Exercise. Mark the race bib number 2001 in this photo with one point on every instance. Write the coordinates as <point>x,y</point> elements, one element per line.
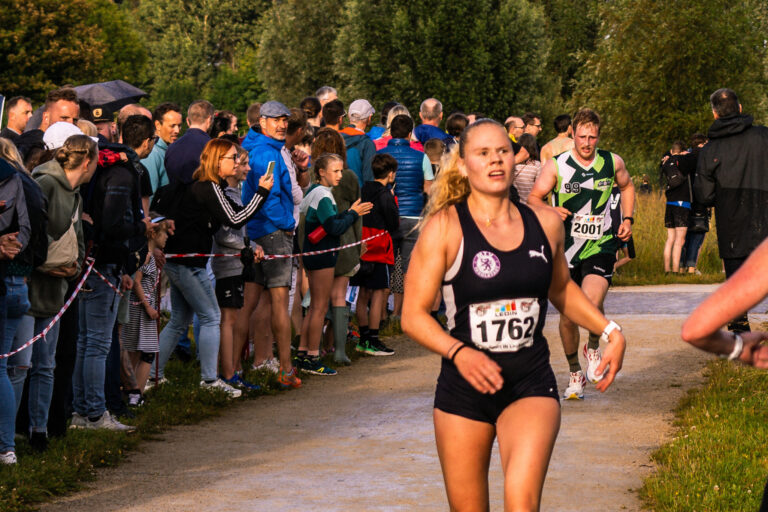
<point>587,226</point>
<point>505,325</point>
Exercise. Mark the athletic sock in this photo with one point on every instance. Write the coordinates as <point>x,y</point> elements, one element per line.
<point>594,341</point>
<point>573,362</point>
<point>373,336</point>
<point>363,333</point>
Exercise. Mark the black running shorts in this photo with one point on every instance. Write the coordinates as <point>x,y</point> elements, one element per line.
<point>676,216</point>
<point>599,265</point>
<point>229,292</point>
<point>526,373</point>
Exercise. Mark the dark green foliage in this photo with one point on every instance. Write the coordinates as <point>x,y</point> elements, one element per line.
<point>50,43</point>
<point>656,64</point>
<point>295,56</point>
<point>482,55</point>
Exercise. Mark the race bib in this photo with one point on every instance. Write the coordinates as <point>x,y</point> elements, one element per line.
<point>589,227</point>
<point>504,325</point>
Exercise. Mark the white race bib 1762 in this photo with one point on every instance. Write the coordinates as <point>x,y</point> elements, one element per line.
<point>587,226</point>
<point>504,325</point>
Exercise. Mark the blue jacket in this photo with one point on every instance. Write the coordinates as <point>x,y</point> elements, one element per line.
<point>409,178</point>
<point>360,153</point>
<point>249,141</point>
<point>277,212</point>
<point>424,132</point>
<point>182,158</point>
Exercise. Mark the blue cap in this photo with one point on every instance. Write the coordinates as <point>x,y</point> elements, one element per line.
<point>274,109</point>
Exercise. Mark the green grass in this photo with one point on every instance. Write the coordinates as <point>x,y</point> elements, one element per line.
<point>718,459</point>
<point>649,236</point>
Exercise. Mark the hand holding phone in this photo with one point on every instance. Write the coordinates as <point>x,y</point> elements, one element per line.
<point>270,169</point>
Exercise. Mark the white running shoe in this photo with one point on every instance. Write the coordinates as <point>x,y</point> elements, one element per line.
<point>575,389</point>
<point>223,386</point>
<point>77,421</point>
<point>107,422</point>
<point>270,365</point>
<point>151,383</point>
<point>593,358</point>
<point>8,458</point>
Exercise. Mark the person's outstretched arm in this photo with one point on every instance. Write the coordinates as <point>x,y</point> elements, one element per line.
<point>745,289</point>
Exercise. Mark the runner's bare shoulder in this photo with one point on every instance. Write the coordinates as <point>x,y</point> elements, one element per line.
<point>442,235</point>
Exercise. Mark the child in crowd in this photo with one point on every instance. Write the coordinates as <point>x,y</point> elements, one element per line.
<point>229,278</point>
<point>140,334</point>
<point>435,149</point>
<point>323,226</point>
<point>373,276</point>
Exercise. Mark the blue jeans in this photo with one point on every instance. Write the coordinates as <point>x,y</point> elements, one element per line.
<point>98,313</point>
<point>7,399</point>
<point>40,361</point>
<point>690,254</point>
<point>192,292</point>
<point>17,304</point>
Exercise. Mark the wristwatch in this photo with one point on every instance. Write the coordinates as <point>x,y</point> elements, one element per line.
<point>630,219</point>
<point>612,326</point>
<point>738,348</point>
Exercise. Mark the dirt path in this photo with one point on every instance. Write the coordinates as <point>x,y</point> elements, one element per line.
<point>364,440</point>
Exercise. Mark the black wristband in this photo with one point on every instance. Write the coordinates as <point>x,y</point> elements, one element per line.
<point>630,219</point>
<point>463,345</point>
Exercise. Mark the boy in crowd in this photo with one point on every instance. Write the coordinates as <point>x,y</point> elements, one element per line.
<point>373,276</point>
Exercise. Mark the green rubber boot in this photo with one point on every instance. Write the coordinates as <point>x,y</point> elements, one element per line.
<point>340,317</point>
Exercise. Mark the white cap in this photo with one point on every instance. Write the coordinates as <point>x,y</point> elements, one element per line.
<point>360,110</point>
<point>58,133</point>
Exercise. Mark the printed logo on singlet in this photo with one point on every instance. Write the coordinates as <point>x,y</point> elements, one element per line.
<point>538,254</point>
<point>486,264</point>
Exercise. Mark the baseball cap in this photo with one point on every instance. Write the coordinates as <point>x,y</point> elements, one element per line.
<point>361,109</point>
<point>274,109</point>
<point>58,133</point>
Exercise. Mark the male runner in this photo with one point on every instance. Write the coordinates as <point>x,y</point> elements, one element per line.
<point>580,181</point>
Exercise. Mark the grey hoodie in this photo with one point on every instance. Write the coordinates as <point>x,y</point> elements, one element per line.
<point>48,293</point>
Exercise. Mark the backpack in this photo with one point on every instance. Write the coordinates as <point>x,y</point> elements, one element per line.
<point>671,170</point>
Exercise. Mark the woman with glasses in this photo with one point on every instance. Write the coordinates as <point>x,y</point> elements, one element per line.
<point>204,209</point>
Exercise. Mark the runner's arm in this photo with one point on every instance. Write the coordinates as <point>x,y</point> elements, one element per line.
<point>571,302</point>
<point>544,185</point>
<point>627,191</point>
<point>745,289</point>
<point>430,257</point>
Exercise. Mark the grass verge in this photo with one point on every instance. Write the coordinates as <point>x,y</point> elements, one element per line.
<point>718,459</point>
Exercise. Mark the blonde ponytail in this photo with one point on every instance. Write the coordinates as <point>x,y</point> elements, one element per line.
<point>450,187</point>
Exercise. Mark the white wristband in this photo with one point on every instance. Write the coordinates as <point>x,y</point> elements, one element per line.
<point>738,347</point>
<point>612,326</point>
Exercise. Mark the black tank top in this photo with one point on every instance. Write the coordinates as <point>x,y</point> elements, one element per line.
<point>497,300</point>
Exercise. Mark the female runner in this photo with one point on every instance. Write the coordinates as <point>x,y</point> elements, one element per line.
<point>497,262</point>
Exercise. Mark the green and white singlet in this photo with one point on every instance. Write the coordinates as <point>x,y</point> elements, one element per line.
<point>586,192</point>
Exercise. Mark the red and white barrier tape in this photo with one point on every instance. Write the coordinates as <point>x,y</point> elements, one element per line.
<point>276,256</point>
<point>58,316</point>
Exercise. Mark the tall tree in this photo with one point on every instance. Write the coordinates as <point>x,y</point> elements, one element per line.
<point>296,52</point>
<point>49,43</point>
<point>656,64</point>
<point>485,55</point>
<point>190,43</point>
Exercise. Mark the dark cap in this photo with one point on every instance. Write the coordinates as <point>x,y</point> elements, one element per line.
<point>274,109</point>
<point>102,115</point>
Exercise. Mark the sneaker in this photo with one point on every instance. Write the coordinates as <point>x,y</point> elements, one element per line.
<point>223,386</point>
<point>289,379</point>
<point>593,358</point>
<point>77,421</point>
<point>374,348</point>
<point>238,381</point>
<point>382,349</point>
<point>8,458</point>
<point>315,366</point>
<point>575,389</point>
<point>135,400</point>
<point>269,365</point>
<point>151,383</point>
<point>107,422</point>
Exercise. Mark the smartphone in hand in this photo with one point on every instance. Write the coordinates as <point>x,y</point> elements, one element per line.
<point>270,169</point>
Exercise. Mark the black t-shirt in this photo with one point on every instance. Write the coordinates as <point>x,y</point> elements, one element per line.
<point>686,164</point>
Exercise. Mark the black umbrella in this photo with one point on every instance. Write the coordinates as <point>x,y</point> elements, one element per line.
<point>110,95</point>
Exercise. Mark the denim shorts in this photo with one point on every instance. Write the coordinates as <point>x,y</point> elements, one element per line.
<point>275,273</point>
